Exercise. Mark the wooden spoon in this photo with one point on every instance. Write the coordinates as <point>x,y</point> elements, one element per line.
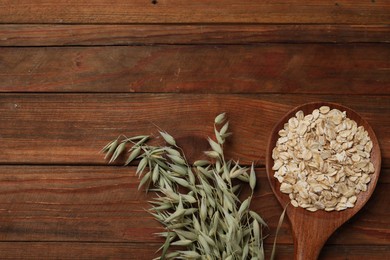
<point>312,229</point>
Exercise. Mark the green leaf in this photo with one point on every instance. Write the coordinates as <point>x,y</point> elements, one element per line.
<point>188,198</point>
<point>177,159</point>
<point>186,234</point>
<point>142,141</point>
<point>111,148</point>
<point>245,252</point>
<point>108,146</point>
<point>195,222</point>
<point>220,182</point>
<point>133,155</point>
<point>203,210</point>
<point>185,242</point>
<point>208,239</point>
<point>166,246</point>
<point>162,207</point>
<point>156,172</point>
<point>259,219</point>
<point>172,151</point>
<point>180,181</point>
<point>252,178</point>
<point>243,177</point>
<point>202,163</point>
<point>162,164</point>
<point>224,128</point>
<point>220,118</point>
<point>168,138</point>
<point>191,176</point>
<point>220,140</point>
<point>139,137</point>
<point>204,244</point>
<point>237,173</point>
<point>189,254</point>
<point>244,206</point>
<point>180,169</point>
<point>178,225</point>
<point>215,224</point>
<point>215,146</point>
<point>118,151</point>
<point>141,166</point>
<point>172,255</point>
<point>256,232</point>
<point>144,180</point>
<point>212,154</point>
<point>170,194</point>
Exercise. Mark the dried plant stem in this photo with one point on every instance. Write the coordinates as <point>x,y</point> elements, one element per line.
<point>197,204</point>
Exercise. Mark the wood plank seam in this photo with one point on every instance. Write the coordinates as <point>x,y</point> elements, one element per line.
<point>173,34</point>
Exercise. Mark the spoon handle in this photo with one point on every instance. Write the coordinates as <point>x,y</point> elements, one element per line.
<point>308,241</point>
<point>310,235</point>
<point>308,250</point>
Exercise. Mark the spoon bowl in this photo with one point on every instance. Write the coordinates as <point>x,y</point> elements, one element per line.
<point>312,229</point>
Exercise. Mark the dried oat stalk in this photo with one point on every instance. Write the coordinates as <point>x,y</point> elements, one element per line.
<point>197,204</point>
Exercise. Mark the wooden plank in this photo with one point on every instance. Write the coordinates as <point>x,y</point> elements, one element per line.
<point>176,11</point>
<point>74,204</point>
<point>350,252</point>
<point>267,68</point>
<point>136,251</point>
<point>103,204</point>
<point>119,34</point>
<point>72,128</point>
<point>77,250</point>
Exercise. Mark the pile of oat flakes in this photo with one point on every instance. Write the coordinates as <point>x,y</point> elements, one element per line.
<point>322,160</point>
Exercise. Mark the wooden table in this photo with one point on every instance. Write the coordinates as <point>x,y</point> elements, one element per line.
<point>76,74</point>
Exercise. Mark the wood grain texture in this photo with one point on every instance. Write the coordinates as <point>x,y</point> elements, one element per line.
<point>76,74</point>
<point>72,128</point>
<point>267,68</point>
<point>163,11</point>
<point>79,250</point>
<point>137,251</point>
<point>74,204</point>
<point>103,204</point>
<point>119,34</point>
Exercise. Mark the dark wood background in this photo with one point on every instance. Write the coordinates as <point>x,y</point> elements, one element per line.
<point>76,74</point>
